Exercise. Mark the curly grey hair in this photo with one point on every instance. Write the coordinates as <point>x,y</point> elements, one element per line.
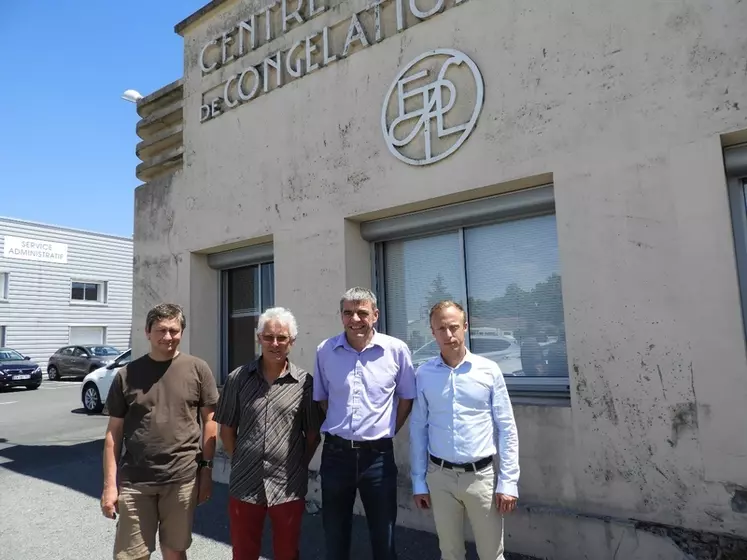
<point>283,316</point>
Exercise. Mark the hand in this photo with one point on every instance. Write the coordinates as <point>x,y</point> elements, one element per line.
<point>204,485</point>
<point>422,501</point>
<point>109,502</point>
<point>505,503</point>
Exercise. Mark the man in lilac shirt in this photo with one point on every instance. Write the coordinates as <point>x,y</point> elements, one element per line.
<point>365,382</point>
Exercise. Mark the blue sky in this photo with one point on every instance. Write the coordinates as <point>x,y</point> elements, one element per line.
<point>67,141</point>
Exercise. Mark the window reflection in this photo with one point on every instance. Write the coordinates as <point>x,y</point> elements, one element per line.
<point>419,273</point>
<point>250,291</point>
<point>513,280</point>
<point>507,273</point>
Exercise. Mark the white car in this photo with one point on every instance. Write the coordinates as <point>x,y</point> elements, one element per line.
<point>96,384</point>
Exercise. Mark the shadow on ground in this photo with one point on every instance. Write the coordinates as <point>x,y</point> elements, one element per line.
<point>78,467</point>
<point>81,411</point>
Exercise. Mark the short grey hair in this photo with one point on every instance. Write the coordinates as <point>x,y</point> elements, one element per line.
<point>358,294</point>
<point>283,316</point>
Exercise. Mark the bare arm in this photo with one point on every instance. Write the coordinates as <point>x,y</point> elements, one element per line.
<point>209,432</point>
<point>209,440</point>
<point>112,450</point>
<point>404,406</point>
<point>228,437</point>
<point>312,442</point>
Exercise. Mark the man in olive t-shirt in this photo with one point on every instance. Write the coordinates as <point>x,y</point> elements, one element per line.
<point>165,472</point>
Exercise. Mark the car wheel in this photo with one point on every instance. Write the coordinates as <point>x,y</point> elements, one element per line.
<point>91,399</point>
<point>32,387</point>
<point>52,373</point>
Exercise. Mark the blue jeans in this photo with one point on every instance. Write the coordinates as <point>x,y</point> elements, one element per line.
<point>373,473</point>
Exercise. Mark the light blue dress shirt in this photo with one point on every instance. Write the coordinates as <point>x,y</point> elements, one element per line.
<point>461,415</point>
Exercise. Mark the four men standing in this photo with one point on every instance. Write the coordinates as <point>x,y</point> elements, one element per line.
<point>271,413</point>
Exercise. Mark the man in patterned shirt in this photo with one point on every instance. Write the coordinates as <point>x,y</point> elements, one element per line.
<point>270,427</point>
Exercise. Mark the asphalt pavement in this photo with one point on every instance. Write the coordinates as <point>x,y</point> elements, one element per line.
<point>51,478</point>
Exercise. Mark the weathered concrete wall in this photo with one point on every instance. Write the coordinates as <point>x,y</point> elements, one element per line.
<point>624,104</point>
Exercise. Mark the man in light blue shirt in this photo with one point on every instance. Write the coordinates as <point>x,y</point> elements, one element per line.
<point>461,416</point>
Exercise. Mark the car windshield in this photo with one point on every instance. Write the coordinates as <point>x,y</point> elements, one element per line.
<point>124,358</point>
<point>8,355</point>
<point>103,350</point>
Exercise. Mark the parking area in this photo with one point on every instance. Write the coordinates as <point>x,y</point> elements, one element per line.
<point>50,475</point>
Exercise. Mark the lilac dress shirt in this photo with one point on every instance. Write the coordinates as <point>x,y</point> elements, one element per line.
<point>362,388</point>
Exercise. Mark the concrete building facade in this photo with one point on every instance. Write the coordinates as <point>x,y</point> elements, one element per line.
<point>61,286</point>
<point>572,172</point>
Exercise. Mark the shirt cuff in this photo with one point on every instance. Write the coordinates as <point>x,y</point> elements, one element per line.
<point>508,488</point>
<point>419,486</point>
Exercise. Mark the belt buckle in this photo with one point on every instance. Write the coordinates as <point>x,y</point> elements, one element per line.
<point>354,444</point>
<point>458,469</point>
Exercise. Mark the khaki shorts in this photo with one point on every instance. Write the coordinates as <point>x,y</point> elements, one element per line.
<point>144,510</point>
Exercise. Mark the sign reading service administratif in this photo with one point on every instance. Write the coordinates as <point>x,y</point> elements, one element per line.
<point>34,250</point>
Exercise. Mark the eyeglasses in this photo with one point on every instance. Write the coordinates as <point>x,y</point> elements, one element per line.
<point>269,338</point>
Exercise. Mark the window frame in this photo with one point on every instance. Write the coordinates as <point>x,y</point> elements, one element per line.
<point>528,203</point>
<point>258,254</point>
<point>4,286</point>
<point>735,167</point>
<point>226,312</point>
<point>102,294</point>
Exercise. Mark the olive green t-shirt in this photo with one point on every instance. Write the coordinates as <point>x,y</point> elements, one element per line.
<point>159,402</point>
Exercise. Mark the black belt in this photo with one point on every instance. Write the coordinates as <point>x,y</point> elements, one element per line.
<point>468,467</point>
<point>378,444</point>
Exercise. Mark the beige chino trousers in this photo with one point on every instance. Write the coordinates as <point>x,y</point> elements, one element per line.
<point>452,494</point>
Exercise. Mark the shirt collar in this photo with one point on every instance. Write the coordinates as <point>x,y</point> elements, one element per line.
<point>342,340</point>
<point>290,369</point>
<point>469,358</point>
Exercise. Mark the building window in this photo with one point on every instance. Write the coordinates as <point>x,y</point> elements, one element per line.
<point>2,336</point>
<point>735,162</point>
<point>90,292</point>
<point>502,265</point>
<point>247,292</point>
<point>4,277</point>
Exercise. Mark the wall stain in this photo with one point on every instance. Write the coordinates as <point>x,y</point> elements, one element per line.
<point>699,545</point>
<point>601,401</point>
<point>739,500</point>
<point>357,179</point>
<point>661,379</point>
<point>684,417</point>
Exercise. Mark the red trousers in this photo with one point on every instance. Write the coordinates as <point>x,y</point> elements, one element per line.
<point>248,520</point>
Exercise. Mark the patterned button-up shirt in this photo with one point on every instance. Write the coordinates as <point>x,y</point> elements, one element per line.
<point>268,464</point>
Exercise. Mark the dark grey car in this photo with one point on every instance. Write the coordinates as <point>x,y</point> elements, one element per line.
<point>80,360</point>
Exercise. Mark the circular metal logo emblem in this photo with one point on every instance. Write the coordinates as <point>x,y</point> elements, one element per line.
<point>423,119</point>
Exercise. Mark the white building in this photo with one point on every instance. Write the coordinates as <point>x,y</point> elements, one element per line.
<point>61,286</point>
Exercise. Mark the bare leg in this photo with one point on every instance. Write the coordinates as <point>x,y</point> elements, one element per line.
<point>169,554</point>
